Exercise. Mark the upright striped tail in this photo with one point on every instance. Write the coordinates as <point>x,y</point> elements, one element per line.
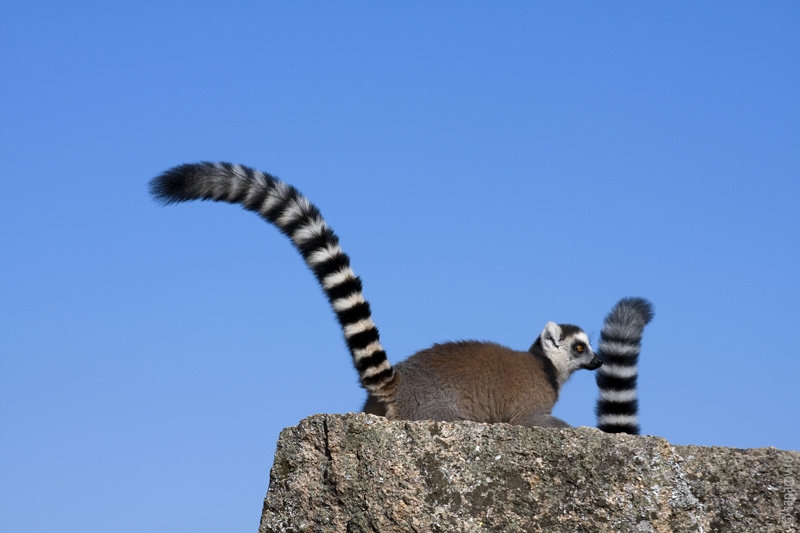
<point>300,220</point>
<point>620,343</point>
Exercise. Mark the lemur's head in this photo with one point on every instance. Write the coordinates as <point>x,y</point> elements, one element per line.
<point>568,348</point>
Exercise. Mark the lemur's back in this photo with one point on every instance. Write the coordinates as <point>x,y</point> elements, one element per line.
<point>479,381</point>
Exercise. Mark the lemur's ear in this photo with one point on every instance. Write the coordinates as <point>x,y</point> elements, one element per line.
<point>551,336</point>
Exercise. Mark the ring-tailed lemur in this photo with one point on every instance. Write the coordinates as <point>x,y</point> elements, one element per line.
<point>477,381</point>
<point>620,343</point>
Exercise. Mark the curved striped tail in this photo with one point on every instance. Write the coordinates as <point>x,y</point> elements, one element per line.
<point>620,343</point>
<point>300,220</point>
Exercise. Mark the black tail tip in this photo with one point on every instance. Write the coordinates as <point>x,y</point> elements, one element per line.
<point>172,186</point>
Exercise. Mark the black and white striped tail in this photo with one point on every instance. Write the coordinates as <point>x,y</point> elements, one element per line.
<point>297,218</point>
<point>620,343</point>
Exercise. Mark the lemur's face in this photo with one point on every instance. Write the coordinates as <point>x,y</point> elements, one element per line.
<point>582,354</point>
<point>568,348</point>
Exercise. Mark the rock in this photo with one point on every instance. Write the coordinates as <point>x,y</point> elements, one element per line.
<point>359,472</point>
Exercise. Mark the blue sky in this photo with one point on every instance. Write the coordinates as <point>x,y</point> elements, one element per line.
<point>488,166</point>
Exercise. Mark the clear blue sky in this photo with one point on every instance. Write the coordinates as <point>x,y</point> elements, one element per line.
<point>488,166</point>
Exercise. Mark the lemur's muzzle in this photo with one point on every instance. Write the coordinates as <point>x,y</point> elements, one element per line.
<point>593,364</point>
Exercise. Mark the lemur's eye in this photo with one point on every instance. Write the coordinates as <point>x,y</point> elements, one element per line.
<point>580,348</point>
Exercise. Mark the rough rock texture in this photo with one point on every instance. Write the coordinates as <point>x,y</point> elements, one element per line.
<point>355,473</point>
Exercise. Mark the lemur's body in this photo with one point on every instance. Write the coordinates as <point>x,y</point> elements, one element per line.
<point>478,381</point>
<point>487,382</point>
